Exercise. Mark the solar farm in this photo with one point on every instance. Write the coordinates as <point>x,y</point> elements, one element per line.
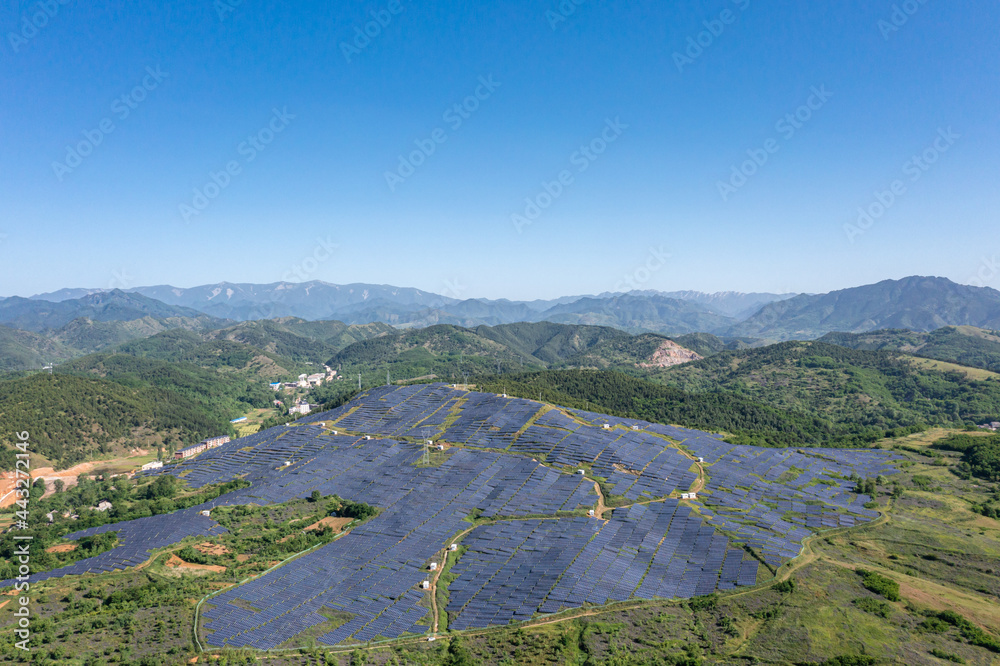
<point>505,507</point>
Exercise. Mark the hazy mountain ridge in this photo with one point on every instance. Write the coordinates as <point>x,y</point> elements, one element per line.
<point>914,303</point>
<point>116,305</point>
<point>675,312</point>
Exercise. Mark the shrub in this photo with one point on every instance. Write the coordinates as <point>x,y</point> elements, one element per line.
<point>874,606</point>
<point>879,584</point>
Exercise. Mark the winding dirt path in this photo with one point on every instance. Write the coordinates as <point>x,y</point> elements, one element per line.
<point>442,556</point>
<point>601,508</point>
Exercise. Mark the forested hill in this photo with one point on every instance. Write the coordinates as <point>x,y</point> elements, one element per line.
<point>746,421</point>
<point>72,419</point>
<point>965,345</point>
<point>878,389</point>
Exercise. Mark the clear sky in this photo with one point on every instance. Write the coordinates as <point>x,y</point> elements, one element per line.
<point>591,140</point>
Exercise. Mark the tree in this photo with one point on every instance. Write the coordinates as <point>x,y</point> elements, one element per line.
<point>316,496</point>
<point>59,485</point>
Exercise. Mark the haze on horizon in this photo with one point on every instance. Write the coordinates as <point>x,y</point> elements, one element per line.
<point>531,150</point>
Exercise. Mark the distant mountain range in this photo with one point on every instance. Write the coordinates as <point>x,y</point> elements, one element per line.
<point>914,303</point>
<point>71,322</point>
<point>674,313</point>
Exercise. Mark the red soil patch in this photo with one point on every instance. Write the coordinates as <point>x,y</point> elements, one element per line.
<point>208,548</point>
<point>62,548</point>
<point>336,524</point>
<point>177,563</point>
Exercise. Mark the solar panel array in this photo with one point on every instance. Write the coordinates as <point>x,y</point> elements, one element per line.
<point>137,538</point>
<point>518,565</point>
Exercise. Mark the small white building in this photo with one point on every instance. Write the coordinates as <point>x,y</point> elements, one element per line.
<point>434,566</point>
<point>206,513</point>
<point>426,585</point>
<point>701,460</point>
<point>103,505</point>
<point>607,426</point>
<point>635,427</point>
<point>440,447</point>
<point>156,464</point>
<point>581,472</point>
<point>453,547</point>
<point>591,513</point>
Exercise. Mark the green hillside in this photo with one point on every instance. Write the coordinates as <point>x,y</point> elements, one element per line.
<point>226,393</point>
<point>452,353</point>
<point>965,345</point>
<point>747,421</point>
<point>24,350</point>
<point>548,342</point>
<point>624,351</point>
<point>876,389</point>
<point>707,344</point>
<point>300,340</point>
<point>444,351</point>
<point>73,418</point>
<point>86,335</point>
<point>180,346</point>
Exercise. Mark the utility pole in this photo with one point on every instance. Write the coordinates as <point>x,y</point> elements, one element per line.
<point>386,377</point>
<point>359,381</point>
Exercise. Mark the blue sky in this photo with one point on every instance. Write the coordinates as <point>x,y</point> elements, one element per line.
<point>643,125</point>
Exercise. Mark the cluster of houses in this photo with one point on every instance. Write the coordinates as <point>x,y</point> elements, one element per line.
<point>203,445</point>
<point>306,381</point>
<point>994,426</point>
